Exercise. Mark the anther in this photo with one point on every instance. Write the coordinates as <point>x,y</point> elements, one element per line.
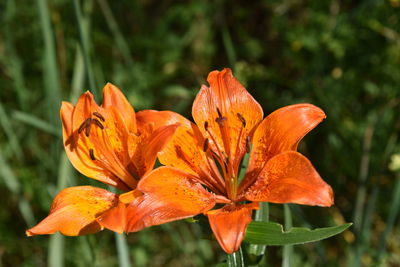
<point>91,154</point>
<point>98,123</point>
<point>242,119</point>
<point>87,129</point>
<point>205,145</point>
<point>206,126</point>
<point>221,121</point>
<point>84,125</point>
<point>219,113</point>
<point>248,143</point>
<point>98,115</point>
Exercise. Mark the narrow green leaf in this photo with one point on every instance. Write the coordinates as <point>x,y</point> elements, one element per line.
<point>83,37</point>
<point>393,214</point>
<point>50,68</point>
<point>8,176</point>
<point>9,130</point>
<point>272,234</point>
<point>120,40</point>
<point>36,122</point>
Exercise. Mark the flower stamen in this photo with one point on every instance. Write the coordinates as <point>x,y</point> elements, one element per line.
<point>248,143</point>
<point>85,124</point>
<point>242,119</point>
<point>91,154</point>
<point>98,115</point>
<point>205,145</point>
<point>98,123</point>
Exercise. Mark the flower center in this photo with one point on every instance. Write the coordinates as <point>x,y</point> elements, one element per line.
<point>101,149</point>
<point>227,159</point>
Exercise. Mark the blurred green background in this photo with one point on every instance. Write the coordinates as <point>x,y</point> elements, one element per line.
<point>343,56</point>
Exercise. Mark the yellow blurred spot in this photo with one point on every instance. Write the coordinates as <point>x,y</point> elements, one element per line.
<point>395,3</point>
<point>296,45</point>
<point>366,260</point>
<point>348,236</point>
<point>337,73</point>
<point>169,68</point>
<point>394,164</point>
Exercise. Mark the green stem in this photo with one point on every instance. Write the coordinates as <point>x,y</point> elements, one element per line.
<point>123,251</point>
<point>288,249</point>
<point>236,259</point>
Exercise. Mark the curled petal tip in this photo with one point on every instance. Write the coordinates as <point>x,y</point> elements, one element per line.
<point>29,233</point>
<point>329,199</point>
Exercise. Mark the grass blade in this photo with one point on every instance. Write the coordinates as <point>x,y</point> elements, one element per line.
<point>36,122</point>
<point>10,133</point>
<point>8,176</point>
<point>119,38</point>
<point>50,68</point>
<point>85,48</point>
<point>393,213</point>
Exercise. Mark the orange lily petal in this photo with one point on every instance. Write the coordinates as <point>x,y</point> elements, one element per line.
<point>229,224</point>
<point>185,149</point>
<point>156,143</point>
<point>130,196</point>
<point>113,97</point>
<point>280,131</point>
<point>289,177</point>
<point>104,155</point>
<point>155,128</point>
<point>169,195</point>
<point>79,159</point>
<point>146,152</point>
<point>156,119</point>
<point>74,211</point>
<point>66,118</point>
<point>114,219</point>
<point>226,98</point>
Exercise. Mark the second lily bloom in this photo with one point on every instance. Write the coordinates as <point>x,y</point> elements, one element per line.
<point>107,143</point>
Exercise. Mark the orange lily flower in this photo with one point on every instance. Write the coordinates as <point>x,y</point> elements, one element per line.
<point>107,144</point>
<point>203,162</point>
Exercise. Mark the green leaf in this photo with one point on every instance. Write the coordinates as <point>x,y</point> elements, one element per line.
<point>272,234</point>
